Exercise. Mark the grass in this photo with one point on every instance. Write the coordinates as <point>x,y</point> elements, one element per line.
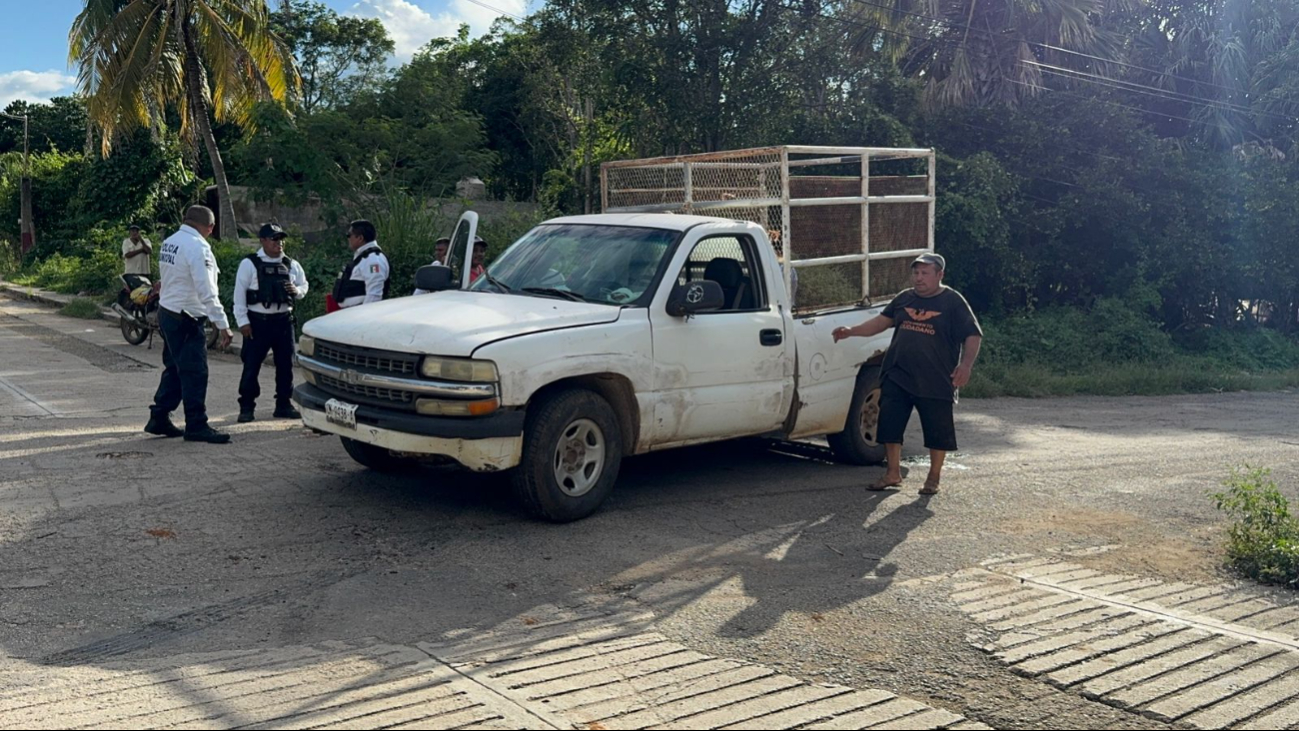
<point>1114,350</point>
<point>86,309</point>
<point>1030,380</point>
<point>1263,541</point>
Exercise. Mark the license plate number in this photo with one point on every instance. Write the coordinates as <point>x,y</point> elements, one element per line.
<point>337,412</point>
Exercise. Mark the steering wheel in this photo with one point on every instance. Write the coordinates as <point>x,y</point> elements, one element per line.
<point>621,295</point>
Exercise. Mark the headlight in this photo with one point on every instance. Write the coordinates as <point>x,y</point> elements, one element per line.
<point>306,346</point>
<point>458,369</point>
<point>440,407</point>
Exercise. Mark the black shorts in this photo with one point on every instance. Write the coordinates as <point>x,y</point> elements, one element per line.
<point>935,417</point>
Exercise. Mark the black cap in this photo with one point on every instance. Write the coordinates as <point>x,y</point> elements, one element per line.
<point>271,231</point>
<point>931,258</point>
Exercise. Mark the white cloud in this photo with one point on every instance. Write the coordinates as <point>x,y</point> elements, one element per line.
<point>411,26</point>
<point>34,86</point>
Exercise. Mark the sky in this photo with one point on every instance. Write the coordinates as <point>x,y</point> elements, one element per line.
<point>34,55</point>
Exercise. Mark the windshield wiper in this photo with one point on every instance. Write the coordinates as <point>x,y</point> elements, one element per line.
<point>505,288</point>
<point>574,296</point>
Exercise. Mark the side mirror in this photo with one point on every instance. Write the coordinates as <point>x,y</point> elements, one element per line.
<point>434,278</point>
<point>696,297</point>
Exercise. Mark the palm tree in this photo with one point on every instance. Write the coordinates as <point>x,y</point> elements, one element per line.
<point>202,59</point>
<point>978,52</point>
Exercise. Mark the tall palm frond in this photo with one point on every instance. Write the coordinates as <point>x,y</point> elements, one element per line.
<point>139,59</point>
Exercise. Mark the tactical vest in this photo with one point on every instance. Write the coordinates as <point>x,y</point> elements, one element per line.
<point>345,286</point>
<point>271,278</point>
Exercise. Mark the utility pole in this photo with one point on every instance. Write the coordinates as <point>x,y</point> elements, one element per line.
<point>28,225</point>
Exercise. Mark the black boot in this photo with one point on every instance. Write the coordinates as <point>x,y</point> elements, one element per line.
<point>162,426</point>
<point>286,411</point>
<point>246,416</point>
<point>209,435</point>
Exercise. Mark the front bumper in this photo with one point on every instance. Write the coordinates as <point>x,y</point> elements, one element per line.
<point>483,444</point>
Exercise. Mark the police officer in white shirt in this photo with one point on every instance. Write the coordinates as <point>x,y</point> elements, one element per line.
<point>365,278</point>
<point>189,299</point>
<point>266,286</point>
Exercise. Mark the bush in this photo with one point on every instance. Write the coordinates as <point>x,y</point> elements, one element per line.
<point>1263,541</point>
<point>86,309</point>
<point>96,273</point>
<point>1073,340</point>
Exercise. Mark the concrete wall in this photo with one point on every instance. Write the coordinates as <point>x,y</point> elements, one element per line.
<point>312,223</point>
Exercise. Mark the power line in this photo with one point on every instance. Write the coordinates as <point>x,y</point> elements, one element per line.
<point>1105,101</point>
<point>493,7</point>
<point>1046,46</point>
<point>1210,103</point>
<point>1165,93</point>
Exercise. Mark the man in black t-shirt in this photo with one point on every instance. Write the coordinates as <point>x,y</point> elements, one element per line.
<point>936,338</point>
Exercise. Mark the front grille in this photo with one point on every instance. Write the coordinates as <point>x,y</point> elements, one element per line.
<point>387,397</point>
<point>399,364</point>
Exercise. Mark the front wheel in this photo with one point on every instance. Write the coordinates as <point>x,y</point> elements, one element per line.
<point>571,455</point>
<point>857,443</point>
<point>376,458</point>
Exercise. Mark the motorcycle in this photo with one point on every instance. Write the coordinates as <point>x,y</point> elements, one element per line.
<point>137,304</point>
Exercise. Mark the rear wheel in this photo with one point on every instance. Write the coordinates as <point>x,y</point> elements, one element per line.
<point>376,458</point>
<point>858,442</point>
<point>571,455</point>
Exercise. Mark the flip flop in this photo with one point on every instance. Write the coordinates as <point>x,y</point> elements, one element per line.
<point>930,488</point>
<point>882,484</point>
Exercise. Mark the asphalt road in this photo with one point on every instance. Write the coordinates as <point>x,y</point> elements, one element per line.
<point>115,545</point>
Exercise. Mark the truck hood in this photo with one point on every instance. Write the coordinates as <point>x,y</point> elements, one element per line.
<point>453,323</point>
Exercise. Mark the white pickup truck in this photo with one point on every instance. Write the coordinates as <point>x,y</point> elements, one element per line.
<point>589,339</point>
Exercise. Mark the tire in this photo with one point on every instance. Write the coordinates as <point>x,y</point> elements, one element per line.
<point>856,443</point>
<point>572,451</point>
<point>133,333</point>
<point>212,335</point>
<point>376,458</point>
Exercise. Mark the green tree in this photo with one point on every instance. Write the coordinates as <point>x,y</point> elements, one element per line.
<point>979,52</point>
<point>1230,69</point>
<point>57,125</point>
<point>205,59</point>
<point>336,55</point>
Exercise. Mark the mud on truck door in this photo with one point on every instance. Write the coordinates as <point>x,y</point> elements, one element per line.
<point>723,373</point>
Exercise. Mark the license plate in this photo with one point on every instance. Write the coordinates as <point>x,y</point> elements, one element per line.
<point>337,412</point>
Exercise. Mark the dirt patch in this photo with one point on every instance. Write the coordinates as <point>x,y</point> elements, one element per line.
<point>1194,558</point>
<point>1080,522</point>
<point>1134,544</point>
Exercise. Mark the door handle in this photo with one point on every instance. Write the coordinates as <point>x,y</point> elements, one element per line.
<point>771,337</point>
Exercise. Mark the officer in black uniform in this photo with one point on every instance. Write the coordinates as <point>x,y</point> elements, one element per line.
<point>266,286</point>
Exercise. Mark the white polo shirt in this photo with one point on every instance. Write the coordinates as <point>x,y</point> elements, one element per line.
<point>246,279</point>
<point>189,277</point>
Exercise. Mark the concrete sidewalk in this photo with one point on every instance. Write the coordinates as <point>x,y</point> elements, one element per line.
<point>560,671</point>
<point>36,294</point>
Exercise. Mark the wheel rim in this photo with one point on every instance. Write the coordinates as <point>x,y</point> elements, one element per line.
<point>870,417</point>
<point>579,458</point>
<point>131,331</point>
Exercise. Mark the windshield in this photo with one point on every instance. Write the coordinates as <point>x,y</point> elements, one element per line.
<point>613,265</point>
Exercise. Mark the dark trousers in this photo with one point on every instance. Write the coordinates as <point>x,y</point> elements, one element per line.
<point>184,375</point>
<point>936,418</point>
<point>270,333</point>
